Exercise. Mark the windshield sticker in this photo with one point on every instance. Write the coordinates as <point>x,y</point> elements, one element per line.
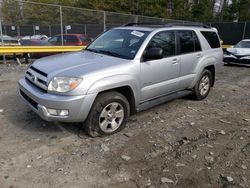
<point>137,33</point>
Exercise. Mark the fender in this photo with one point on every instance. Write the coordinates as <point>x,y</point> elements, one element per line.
<point>116,81</point>
<point>201,66</point>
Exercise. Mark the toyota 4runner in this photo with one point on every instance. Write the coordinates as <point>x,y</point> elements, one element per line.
<point>125,70</point>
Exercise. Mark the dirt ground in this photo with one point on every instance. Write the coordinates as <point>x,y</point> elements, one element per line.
<point>183,143</point>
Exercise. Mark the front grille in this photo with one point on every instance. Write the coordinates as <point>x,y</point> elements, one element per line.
<point>40,72</point>
<point>28,99</point>
<point>41,89</point>
<point>37,78</point>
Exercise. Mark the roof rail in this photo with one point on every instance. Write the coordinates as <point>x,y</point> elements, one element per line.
<point>170,24</point>
<point>192,24</point>
<point>143,23</point>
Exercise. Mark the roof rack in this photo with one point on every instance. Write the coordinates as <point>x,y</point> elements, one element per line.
<point>170,24</point>
<point>144,24</point>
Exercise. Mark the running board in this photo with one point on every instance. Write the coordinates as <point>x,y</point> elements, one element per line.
<point>154,102</point>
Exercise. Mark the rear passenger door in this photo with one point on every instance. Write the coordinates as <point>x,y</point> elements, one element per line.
<point>189,49</point>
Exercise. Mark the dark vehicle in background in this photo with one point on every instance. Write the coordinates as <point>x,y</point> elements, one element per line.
<point>34,42</point>
<point>238,54</point>
<point>68,40</point>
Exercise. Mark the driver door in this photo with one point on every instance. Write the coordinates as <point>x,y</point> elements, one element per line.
<point>160,76</point>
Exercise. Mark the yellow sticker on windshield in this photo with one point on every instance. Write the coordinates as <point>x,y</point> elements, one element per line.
<point>137,33</point>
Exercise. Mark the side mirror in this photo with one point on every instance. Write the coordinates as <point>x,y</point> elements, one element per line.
<point>153,53</point>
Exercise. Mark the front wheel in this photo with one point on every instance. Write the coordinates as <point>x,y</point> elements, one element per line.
<point>108,114</point>
<point>203,85</point>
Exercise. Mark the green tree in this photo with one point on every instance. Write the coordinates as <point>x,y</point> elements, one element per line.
<point>202,11</point>
<point>181,10</point>
<point>244,10</point>
<point>11,12</point>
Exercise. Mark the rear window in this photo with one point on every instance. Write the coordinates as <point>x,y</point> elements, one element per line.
<point>212,38</point>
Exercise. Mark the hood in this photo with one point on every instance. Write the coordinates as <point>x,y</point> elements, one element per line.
<point>76,63</point>
<point>239,51</point>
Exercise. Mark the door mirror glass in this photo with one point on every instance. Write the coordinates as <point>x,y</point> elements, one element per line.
<point>153,53</point>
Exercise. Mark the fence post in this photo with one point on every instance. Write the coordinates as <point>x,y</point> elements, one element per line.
<point>85,29</point>
<point>1,34</point>
<point>4,28</point>
<point>244,30</point>
<point>136,19</point>
<point>104,21</point>
<point>18,30</point>
<point>61,22</point>
<point>34,31</point>
<point>66,31</point>
<point>49,31</point>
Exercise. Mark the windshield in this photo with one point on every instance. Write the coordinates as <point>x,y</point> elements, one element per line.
<point>243,44</point>
<point>119,43</point>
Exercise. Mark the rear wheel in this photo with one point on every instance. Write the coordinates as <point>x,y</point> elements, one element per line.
<point>108,114</point>
<point>203,85</point>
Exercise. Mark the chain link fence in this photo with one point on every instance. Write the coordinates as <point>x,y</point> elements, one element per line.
<point>31,18</point>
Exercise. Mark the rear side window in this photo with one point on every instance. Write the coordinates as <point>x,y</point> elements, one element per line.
<point>212,38</point>
<point>189,42</point>
<point>71,39</point>
<point>85,39</point>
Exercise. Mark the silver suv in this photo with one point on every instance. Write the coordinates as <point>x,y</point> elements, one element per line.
<point>125,70</point>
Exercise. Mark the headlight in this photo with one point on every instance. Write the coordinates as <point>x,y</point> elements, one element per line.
<point>63,84</point>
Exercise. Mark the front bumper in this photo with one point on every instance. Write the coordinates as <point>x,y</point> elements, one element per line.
<point>40,101</point>
<point>236,60</point>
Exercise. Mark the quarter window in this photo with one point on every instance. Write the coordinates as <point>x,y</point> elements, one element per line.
<point>212,38</point>
<point>164,40</point>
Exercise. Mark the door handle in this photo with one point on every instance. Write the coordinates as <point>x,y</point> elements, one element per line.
<point>199,56</point>
<point>175,61</point>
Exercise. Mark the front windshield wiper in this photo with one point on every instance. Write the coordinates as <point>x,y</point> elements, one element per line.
<point>107,52</point>
<point>91,50</point>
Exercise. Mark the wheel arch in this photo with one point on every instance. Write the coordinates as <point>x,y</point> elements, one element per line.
<point>127,92</point>
<point>124,84</point>
<point>211,68</point>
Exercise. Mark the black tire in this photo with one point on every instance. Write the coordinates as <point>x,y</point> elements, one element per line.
<point>102,103</point>
<point>197,93</point>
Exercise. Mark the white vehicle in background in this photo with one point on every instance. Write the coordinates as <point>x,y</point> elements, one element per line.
<point>7,40</point>
<point>35,37</point>
<point>238,54</point>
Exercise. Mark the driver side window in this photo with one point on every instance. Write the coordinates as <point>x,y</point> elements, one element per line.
<point>164,40</point>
